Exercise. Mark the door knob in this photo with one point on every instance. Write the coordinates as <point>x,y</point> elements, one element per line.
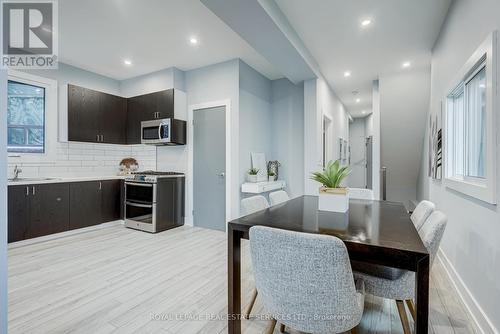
<point>222,175</point>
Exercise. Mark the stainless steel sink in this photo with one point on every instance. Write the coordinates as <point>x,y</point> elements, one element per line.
<point>32,179</point>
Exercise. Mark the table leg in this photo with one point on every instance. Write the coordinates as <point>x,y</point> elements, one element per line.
<point>422,296</point>
<point>234,281</point>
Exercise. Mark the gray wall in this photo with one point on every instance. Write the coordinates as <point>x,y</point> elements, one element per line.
<point>357,135</point>
<point>404,101</point>
<point>3,202</point>
<point>471,244</point>
<point>288,133</point>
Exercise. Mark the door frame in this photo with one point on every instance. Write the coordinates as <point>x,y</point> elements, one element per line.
<point>190,170</point>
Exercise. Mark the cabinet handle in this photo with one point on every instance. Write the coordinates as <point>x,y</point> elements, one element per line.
<point>27,191</point>
<point>34,191</point>
<point>100,185</point>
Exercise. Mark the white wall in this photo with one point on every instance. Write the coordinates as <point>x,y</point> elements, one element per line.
<point>319,99</point>
<point>288,133</point>
<point>357,141</point>
<point>148,83</point>
<point>404,101</point>
<point>3,202</point>
<point>471,243</point>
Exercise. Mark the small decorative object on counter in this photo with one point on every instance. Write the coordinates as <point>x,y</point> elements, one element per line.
<point>332,197</point>
<point>271,176</point>
<point>273,166</point>
<point>252,174</point>
<point>128,165</point>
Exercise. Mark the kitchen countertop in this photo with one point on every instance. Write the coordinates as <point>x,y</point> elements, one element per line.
<point>41,180</point>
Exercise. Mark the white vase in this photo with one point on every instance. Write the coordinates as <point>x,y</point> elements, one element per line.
<point>333,199</point>
<point>271,178</point>
<point>251,178</point>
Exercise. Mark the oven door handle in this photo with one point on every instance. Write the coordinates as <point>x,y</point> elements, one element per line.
<point>148,185</point>
<point>149,206</point>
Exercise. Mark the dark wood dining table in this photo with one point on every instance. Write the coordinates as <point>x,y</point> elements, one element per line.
<point>378,232</point>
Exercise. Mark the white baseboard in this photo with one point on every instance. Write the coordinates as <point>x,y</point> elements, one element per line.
<point>22,243</point>
<point>480,318</point>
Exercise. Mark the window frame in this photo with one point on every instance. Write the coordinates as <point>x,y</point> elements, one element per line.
<point>50,118</point>
<point>483,189</point>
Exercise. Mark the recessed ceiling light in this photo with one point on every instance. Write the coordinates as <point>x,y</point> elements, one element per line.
<point>358,100</point>
<point>406,64</point>
<point>127,62</point>
<point>193,40</point>
<point>347,74</point>
<point>366,22</point>
<point>363,112</point>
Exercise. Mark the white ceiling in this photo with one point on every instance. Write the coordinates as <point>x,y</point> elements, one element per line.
<point>401,30</point>
<point>98,35</point>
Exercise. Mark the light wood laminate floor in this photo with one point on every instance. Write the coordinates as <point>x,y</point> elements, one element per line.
<point>117,280</point>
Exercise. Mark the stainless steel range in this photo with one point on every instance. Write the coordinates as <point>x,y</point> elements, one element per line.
<point>154,201</point>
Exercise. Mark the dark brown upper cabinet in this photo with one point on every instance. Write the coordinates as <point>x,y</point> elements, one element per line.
<point>147,107</point>
<point>96,117</point>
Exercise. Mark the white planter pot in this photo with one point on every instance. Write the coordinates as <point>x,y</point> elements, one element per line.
<point>333,199</point>
<point>271,178</point>
<point>251,178</point>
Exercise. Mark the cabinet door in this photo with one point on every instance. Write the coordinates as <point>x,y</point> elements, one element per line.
<point>111,204</point>
<point>164,103</point>
<point>113,123</point>
<point>85,204</point>
<point>49,209</point>
<point>137,111</point>
<point>83,114</point>
<point>18,211</point>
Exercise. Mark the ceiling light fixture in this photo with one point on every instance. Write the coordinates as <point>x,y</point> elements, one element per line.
<point>366,23</point>
<point>127,62</point>
<point>193,40</point>
<point>406,64</point>
<point>363,112</point>
<point>358,100</point>
<point>347,74</point>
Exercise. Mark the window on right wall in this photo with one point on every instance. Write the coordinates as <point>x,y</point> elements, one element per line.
<point>470,130</point>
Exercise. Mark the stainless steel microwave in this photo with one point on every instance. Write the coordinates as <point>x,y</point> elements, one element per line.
<point>167,131</point>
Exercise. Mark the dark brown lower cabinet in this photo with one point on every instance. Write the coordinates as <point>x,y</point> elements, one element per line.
<point>111,200</point>
<point>85,204</point>
<point>43,209</point>
<point>37,210</point>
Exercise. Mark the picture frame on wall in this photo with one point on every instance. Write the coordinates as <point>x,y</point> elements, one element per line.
<point>435,144</point>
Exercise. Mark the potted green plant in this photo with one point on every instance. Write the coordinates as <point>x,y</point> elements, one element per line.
<point>271,176</point>
<point>332,196</point>
<point>252,174</point>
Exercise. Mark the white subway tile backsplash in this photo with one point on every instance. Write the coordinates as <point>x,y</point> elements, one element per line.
<point>85,159</point>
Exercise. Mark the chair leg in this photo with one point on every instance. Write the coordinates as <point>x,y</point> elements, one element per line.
<point>354,330</point>
<point>270,329</point>
<point>411,307</point>
<point>402,314</point>
<point>246,314</point>
<point>282,328</point>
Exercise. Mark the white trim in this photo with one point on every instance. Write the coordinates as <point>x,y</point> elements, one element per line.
<point>485,191</point>
<point>51,118</point>
<point>64,234</point>
<point>476,312</point>
<point>189,176</point>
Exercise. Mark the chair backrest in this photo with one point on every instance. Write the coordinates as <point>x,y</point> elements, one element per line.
<point>421,213</point>
<point>253,204</point>
<point>278,197</point>
<point>305,280</point>
<point>360,193</point>
<point>432,232</point>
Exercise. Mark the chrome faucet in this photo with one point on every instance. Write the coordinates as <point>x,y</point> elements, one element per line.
<point>17,171</point>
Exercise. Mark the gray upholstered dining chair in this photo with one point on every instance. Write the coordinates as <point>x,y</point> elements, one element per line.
<point>421,213</point>
<point>248,206</point>
<point>401,286</point>
<point>278,197</point>
<point>305,280</point>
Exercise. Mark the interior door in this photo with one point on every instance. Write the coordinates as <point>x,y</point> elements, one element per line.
<point>209,168</point>
<point>369,162</point>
